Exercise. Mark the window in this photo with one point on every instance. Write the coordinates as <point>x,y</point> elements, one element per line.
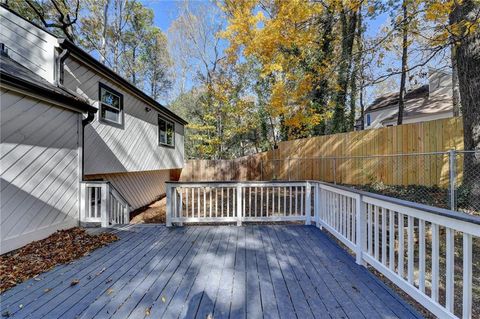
<point>111,105</point>
<point>368,120</point>
<point>166,132</point>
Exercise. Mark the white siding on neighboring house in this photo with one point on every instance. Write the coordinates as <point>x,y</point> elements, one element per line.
<point>39,164</point>
<point>133,148</point>
<point>28,45</point>
<point>138,188</point>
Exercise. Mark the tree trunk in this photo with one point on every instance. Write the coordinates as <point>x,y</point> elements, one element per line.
<point>349,23</point>
<point>455,91</point>
<point>321,91</point>
<point>354,77</point>
<point>103,40</point>
<point>401,95</point>
<point>468,65</point>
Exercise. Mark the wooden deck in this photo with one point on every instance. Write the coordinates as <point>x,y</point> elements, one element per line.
<point>195,271</point>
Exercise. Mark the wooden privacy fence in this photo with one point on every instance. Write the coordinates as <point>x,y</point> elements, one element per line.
<point>410,154</point>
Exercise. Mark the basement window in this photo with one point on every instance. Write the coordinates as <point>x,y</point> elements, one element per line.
<point>166,132</point>
<point>111,106</point>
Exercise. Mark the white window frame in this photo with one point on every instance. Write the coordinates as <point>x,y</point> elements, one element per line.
<point>102,105</point>
<point>167,123</point>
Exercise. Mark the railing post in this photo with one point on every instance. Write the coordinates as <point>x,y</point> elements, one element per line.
<point>169,205</point>
<point>452,177</point>
<point>360,231</point>
<point>83,201</point>
<point>104,207</point>
<point>308,204</point>
<point>323,206</point>
<point>239,204</point>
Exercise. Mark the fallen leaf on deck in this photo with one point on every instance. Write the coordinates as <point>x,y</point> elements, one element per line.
<point>147,311</point>
<point>101,271</point>
<point>62,247</point>
<point>6,314</point>
<point>163,299</point>
<point>109,291</point>
<point>74,282</point>
<point>47,289</point>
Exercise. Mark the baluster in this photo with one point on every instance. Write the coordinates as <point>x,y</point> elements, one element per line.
<point>391,242</point>
<point>204,201</point>
<point>410,251</point>
<point>467,276</point>
<point>266,208</point>
<point>186,203</point>
<point>284,201</point>
<point>421,256</point>
<point>384,236</point>
<point>353,220</point>
<point>249,202</point>
<point>210,204</point>
<point>376,227</point>
<point>290,204</point>
<point>450,257</point>
<point>401,242</point>
<point>261,201</point>
<point>193,202</point>
<point>199,202</point>
<point>369,229</point>
<point>279,193</point>
<point>435,258</point>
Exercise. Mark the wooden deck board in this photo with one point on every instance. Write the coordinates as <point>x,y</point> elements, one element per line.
<point>223,271</point>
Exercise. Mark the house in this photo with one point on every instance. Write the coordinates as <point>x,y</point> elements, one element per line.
<point>68,120</point>
<point>431,101</point>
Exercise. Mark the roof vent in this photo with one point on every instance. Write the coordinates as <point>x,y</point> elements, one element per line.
<point>3,49</point>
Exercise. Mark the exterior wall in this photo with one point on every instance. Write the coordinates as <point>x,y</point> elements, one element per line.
<point>423,118</point>
<point>138,188</point>
<point>28,45</point>
<point>131,148</point>
<point>39,169</point>
<point>376,117</point>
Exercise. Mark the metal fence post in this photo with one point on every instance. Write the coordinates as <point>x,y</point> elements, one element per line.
<point>452,176</point>
<point>360,231</point>
<point>239,205</point>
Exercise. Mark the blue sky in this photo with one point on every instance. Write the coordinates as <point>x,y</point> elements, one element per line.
<point>166,11</point>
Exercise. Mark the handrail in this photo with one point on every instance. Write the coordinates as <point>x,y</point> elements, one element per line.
<point>386,233</point>
<point>101,202</point>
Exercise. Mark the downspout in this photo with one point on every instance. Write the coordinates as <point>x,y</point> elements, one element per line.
<point>59,81</point>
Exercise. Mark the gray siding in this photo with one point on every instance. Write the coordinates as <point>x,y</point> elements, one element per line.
<point>133,148</point>
<point>39,169</point>
<point>28,45</point>
<point>138,188</point>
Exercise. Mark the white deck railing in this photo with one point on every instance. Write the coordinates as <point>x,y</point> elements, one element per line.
<point>102,203</point>
<point>400,239</point>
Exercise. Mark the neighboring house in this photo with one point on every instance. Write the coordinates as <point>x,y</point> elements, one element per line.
<point>432,101</point>
<point>66,118</point>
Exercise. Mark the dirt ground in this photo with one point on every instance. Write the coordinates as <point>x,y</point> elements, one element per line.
<point>152,214</point>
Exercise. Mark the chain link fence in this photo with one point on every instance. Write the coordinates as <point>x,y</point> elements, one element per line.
<point>442,179</point>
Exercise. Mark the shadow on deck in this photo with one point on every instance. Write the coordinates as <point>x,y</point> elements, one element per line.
<point>210,272</point>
